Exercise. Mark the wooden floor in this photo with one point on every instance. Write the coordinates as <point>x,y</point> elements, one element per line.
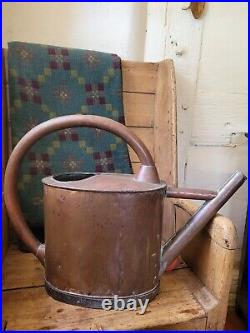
<point>26,306</point>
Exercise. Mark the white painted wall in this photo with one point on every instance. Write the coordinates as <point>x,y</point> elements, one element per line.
<point>210,56</point>
<point>108,27</point>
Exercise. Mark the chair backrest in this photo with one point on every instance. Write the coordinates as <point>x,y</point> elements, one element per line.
<point>149,98</point>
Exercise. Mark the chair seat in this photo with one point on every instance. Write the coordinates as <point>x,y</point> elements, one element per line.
<point>26,305</point>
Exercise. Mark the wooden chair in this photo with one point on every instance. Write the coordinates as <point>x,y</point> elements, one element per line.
<point>194,296</point>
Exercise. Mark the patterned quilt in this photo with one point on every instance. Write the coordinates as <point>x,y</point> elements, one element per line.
<point>46,82</point>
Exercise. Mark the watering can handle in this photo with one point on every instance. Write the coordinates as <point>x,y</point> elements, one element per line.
<point>146,173</point>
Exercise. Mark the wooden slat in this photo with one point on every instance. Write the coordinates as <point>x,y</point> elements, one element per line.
<point>136,166</point>
<point>32,308</point>
<point>27,307</point>
<point>192,325</point>
<point>139,109</point>
<point>21,270</point>
<point>139,77</point>
<point>165,151</point>
<point>147,136</point>
<point>165,123</point>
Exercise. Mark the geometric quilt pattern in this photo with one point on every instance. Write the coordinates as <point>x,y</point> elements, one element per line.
<point>49,81</point>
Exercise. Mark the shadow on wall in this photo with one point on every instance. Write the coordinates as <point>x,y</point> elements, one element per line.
<point>109,27</point>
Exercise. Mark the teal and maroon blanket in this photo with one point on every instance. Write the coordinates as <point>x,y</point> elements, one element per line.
<point>46,82</point>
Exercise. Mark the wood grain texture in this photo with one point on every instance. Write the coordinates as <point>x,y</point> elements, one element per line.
<point>165,145</point>
<point>235,280</point>
<point>136,166</point>
<point>192,325</point>
<point>139,77</point>
<point>147,136</point>
<point>21,270</point>
<point>35,310</point>
<point>139,109</point>
<point>212,260</point>
<point>221,229</point>
<point>165,123</point>
<point>27,306</point>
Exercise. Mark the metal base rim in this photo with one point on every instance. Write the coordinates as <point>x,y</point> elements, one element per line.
<point>94,302</point>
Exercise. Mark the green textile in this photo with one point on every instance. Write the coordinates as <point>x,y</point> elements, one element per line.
<point>46,82</point>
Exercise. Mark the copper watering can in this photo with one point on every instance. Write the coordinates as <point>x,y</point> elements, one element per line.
<point>103,230</point>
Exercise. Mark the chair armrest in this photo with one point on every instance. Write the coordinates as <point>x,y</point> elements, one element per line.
<point>211,257</point>
<point>221,229</point>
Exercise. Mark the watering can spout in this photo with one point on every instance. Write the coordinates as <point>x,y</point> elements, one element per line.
<point>197,222</point>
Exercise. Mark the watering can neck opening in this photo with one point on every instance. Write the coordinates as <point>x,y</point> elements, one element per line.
<point>101,182</point>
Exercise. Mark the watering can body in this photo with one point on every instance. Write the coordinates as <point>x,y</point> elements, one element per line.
<point>103,231</point>
<point>102,240</point>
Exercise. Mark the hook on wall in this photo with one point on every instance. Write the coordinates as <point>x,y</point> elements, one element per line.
<point>197,9</point>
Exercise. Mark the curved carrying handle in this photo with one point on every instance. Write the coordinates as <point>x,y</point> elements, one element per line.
<point>146,173</point>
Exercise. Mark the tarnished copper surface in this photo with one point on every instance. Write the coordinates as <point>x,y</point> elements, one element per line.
<point>45,128</point>
<point>102,245</point>
<point>103,231</point>
<point>190,193</point>
<point>102,182</point>
<point>199,220</point>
